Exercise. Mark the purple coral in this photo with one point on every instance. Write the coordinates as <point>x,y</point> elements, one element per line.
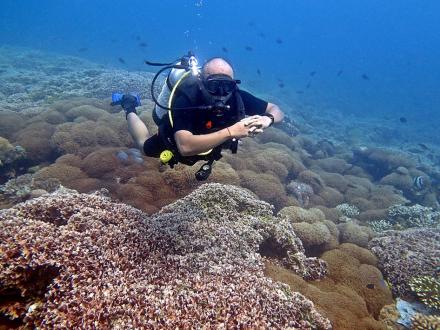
<point>81,261</point>
<point>301,191</point>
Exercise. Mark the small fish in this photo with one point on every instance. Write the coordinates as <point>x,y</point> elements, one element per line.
<point>83,49</point>
<point>224,49</point>
<point>423,146</point>
<point>311,74</point>
<point>403,120</point>
<point>121,60</point>
<point>281,84</point>
<point>262,35</point>
<point>279,41</point>
<point>299,92</point>
<point>339,73</point>
<point>370,286</point>
<point>419,182</point>
<point>308,85</point>
<point>138,38</point>
<point>143,44</point>
<point>249,48</point>
<point>251,23</point>
<point>365,77</point>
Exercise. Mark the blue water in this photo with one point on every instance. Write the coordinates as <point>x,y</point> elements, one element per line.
<point>395,44</point>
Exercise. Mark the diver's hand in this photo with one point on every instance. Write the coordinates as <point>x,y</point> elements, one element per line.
<point>243,129</point>
<point>262,122</point>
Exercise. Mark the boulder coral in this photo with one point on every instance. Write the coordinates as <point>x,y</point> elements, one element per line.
<point>351,295</point>
<point>81,261</point>
<point>316,233</point>
<point>266,186</point>
<point>365,279</point>
<point>353,233</point>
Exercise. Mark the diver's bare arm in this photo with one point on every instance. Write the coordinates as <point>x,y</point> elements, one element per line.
<point>137,130</point>
<point>275,111</point>
<point>190,144</point>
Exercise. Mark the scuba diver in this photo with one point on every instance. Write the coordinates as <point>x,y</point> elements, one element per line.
<point>198,113</point>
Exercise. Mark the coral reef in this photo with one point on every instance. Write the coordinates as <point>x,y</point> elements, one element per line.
<point>75,260</point>
<point>351,295</point>
<point>413,216</point>
<point>405,254</point>
<point>301,192</point>
<point>353,233</point>
<point>381,225</point>
<point>425,322</point>
<point>348,210</point>
<point>427,289</point>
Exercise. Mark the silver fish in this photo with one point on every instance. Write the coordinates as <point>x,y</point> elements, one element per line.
<point>419,182</point>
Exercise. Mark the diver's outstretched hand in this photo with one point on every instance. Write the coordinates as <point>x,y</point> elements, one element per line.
<point>245,127</point>
<point>258,121</point>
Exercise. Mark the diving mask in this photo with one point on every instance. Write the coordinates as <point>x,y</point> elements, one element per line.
<point>220,84</point>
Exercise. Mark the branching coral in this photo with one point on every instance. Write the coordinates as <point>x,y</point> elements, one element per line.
<point>97,264</point>
<point>380,225</point>
<point>348,210</point>
<point>425,322</point>
<point>405,254</point>
<point>427,289</point>
<point>413,216</point>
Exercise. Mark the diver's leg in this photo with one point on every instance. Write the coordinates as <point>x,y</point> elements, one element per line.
<point>137,130</point>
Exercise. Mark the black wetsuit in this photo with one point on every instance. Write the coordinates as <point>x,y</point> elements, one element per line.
<point>201,121</point>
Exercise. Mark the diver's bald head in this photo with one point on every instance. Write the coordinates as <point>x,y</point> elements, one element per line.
<point>217,65</point>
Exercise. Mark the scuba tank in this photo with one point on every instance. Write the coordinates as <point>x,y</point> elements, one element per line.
<point>173,77</point>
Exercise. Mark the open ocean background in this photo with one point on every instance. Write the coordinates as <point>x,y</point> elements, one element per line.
<point>365,58</point>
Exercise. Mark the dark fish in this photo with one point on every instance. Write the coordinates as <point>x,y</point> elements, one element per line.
<point>370,286</point>
<point>311,74</point>
<point>403,120</point>
<point>114,40</point>
<point>281,84</point>
<point>279,41</point>
<point>138,38</point>
<point>300,92</point>
<point>262,35</point>
<point>143,44</point>
<point>259,72</point>
<point>249,48</point>
<point>83,49</point>
<point>121,60</point>
<point>423,146</point>
<point>308,85</point>
<point>339,73</point>
<point>224,49</point>
<point>251,23</point>
<point>365,77</point>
